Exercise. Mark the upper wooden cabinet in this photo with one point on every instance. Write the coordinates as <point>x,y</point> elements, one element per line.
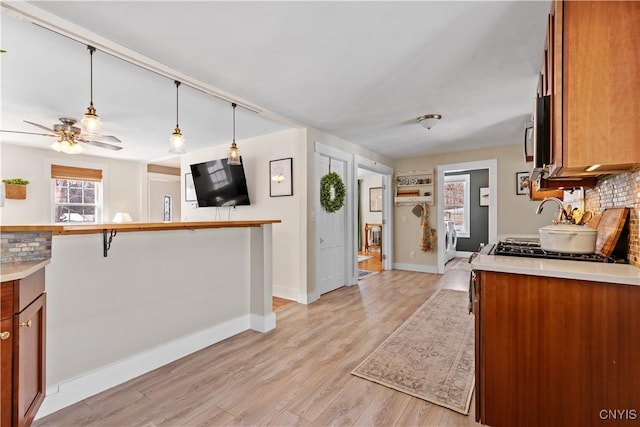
<point>592,65</point>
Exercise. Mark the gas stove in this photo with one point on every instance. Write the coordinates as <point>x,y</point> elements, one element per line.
<point>532,249</point>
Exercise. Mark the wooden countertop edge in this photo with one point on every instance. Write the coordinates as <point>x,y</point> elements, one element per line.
<point>135,226</point>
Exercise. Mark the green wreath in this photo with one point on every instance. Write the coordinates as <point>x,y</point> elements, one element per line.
<point>331,192</point>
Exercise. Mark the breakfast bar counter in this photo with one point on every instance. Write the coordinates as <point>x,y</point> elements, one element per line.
<point>164,291</point>
<point>65,229</point>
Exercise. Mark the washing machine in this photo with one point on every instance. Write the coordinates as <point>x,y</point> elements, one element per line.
<point>450,240</point>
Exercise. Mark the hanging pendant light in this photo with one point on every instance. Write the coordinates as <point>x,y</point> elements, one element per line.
<point>91,126</point>
<point>177,140</point>
<point>234,153</point>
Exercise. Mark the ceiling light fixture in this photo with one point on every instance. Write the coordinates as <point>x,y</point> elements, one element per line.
<point>177,140</point>
<point>429,120</point>
<point>67,145</point>
<point>91,126</point>
<point>234,153</point>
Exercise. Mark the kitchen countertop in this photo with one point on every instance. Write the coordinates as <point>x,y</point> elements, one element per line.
<point>19,270</point>
<point>61,229</point>
<point>624,274</point>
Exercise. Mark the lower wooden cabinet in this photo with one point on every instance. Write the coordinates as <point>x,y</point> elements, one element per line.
<point>22,349</point>
<point>556,352</point>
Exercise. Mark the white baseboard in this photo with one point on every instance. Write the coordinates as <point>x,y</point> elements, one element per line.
<point>262,323</point>
<point>286,293</point>
<point>79,388</point>
<point>416,267</point>
<point>309,298</point>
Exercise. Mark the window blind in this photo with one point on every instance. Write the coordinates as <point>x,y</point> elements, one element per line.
<point>70,172</point>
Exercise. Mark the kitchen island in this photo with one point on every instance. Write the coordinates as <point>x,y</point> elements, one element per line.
<point>556,342</point>
<point>163,291</point>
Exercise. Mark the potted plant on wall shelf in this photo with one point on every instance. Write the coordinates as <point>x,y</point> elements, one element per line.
<point>15,188</point>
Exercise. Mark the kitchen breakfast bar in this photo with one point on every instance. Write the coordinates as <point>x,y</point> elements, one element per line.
<point>124,299</point>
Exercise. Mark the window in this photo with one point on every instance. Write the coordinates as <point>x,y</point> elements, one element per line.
<point>76,194</point>
<point>456,202</point>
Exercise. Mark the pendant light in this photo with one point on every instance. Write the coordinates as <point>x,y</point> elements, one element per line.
<point>177,140</point>
<point>91,126</point>
<point>234,153</point>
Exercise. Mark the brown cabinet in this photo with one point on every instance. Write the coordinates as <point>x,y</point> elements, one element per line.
<point>556,352</point>
<point>22,351</point>
<point>593,76</point>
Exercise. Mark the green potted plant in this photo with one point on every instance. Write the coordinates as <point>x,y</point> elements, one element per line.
<point>15,188</point>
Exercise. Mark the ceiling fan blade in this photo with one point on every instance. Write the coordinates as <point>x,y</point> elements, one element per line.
<point>40,126</point>
<point>103,145</point>
<point>109,138</point>
<point>29,133</point>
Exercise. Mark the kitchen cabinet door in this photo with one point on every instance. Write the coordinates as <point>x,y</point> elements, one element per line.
<point>596,82</point>
<point>29,363</point>
<point>6,357</point>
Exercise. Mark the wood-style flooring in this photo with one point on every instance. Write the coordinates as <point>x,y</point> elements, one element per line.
<point>371,264</point>
<point>296,375</point>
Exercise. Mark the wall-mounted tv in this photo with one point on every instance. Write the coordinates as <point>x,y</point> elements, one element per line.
<point>219,184</point>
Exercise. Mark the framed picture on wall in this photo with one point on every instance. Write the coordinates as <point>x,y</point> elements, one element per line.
<point>375,199</point>
<point>522,183</point>
<point>189,188</point>
<point>280,177</point>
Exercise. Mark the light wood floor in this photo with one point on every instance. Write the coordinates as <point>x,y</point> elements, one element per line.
<point>371,264</point>
<point>297,374</point>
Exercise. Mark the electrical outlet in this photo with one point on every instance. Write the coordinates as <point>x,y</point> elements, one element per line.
<point>404,218</point>
<point>412,254</point>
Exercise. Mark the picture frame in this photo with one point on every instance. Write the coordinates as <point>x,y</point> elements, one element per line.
<point>189,188</point>
<point>522,183</point>
<point>375,199</point>
<point>484,196</point>
<point>281,177</point>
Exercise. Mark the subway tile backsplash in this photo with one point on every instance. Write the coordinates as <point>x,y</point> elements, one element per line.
<point>25,246</point>
<point>619,191</point>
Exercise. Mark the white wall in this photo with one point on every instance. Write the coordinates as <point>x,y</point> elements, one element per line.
<point>124,184</point>
<point>288,242</point>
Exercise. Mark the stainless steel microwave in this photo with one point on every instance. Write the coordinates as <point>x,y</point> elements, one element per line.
<point>541,136</point>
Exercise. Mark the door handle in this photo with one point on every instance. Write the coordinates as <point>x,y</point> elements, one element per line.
<point>5,335</point>
<point>27,323</point>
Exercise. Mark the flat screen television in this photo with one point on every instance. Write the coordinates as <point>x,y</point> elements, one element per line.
<point>219,184</point>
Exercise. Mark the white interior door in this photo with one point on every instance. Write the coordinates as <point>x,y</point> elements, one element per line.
<point>331,233</point>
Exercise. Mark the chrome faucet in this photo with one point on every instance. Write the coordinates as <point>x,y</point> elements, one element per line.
<point>559,214</point>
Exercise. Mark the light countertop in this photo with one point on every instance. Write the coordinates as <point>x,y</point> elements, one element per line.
<point>20,270</point>
<point>581,270</point>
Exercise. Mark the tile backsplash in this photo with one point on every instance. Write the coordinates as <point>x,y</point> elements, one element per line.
<point>25,246</point>
<point>619,191</point>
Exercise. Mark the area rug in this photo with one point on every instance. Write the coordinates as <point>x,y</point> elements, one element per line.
<point>431,355</point>
<point>364,273</point>
<point>363,258</point>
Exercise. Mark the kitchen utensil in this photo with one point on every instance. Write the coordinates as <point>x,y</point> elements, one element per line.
<point>609,229</point>
<point>568,238</point>
<point>576,217</point>
<point>586,217</point>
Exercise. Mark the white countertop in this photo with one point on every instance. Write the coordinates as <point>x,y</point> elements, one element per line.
<point>624,274</point>
<point>20,270</point>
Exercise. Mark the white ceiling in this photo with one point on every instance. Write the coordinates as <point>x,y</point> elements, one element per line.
<point>362,71</point>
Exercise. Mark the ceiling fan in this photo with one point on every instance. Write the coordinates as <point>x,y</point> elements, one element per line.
<point>69,137</point>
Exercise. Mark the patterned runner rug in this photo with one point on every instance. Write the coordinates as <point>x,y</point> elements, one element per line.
<point>431,355</point>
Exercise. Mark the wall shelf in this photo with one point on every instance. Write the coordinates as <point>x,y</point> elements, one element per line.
<point>414,187</point>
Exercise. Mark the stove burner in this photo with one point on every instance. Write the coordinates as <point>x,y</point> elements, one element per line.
<point>512,247</point>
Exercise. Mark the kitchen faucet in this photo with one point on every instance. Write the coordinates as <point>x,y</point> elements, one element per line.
<point>559,214</point>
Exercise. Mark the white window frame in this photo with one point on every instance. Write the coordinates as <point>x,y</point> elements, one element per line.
<point>98,203</point>
<point>466,179</point>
